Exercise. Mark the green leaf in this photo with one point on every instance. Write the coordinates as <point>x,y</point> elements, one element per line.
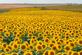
<point>11,37</point>
<point>77,48</point>
<point>25,38</point>
<point>20,52</point>
<point>3,34</point>
<point>1,50</point>
<point>34,53</point>
<point>39,53</point>
<point>62,50</point>
<point>8,39</point>
<point>35,34</point>
<point>62,35</point>
<point>40,38</point>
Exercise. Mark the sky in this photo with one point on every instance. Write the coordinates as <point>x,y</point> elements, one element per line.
<point>41,1</point>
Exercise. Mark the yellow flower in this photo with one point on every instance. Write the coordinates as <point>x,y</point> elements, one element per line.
<point>1,30</point>
<point>54,47</point>
<point>1,38</point>
<point>14,53</point>
<point>40,42</point>
<point>17,33</point>
<point>7,33</point>
<point>16,39</point>
<point>26,44</point>
<point>72,44</point>
<point>33,41</point>
<point>69,52</point>
<point>15,46</point>
<point>75,53</point>
<point>51,44</point>
<point>44,46</point>
<point>80,53</point>
<point>46,40</point>
<point>59,53</point>
<point>67,48</point>
<point>2,53</point>
<point>80,42</point>
<point>7,49</point>
<point>38,47</point>
<point>4,45</point>
<point>23,47</point>
<point>28,53</point>
<point>51,52</point>
<point>46,52</point>
<point>31,48</point>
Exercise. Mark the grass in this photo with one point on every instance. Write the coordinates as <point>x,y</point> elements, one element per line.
<point>4,10</point>
<point>66,7</point>
<point>69,7</point>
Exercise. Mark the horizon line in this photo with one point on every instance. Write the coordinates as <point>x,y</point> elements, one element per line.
<point>40,3</point>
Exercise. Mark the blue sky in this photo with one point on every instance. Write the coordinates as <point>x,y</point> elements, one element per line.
<point>41,1</point>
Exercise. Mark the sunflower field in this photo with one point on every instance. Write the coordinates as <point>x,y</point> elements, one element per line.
<point>40,32</point>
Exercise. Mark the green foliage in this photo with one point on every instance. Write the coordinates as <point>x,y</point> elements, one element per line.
<point>4,10</point>
<point>8,39</point>
<point>62,35</point>
<point>77,48</point>
<point>34,52</point>
<point>25,38</point>
<point>20,52</point>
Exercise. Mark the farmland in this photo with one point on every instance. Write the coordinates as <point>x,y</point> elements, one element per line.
<point>38,31</point>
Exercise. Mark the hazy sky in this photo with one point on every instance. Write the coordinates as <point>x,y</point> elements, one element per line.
<point>40,1</point>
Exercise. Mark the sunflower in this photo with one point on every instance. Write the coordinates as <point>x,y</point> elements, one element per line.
<point>17,33</point>
<point>16,39</point>
<point>51,52</point>
<point>31,47</point>
<point>67,48</point>
<point>4,45</point>
<point>0,45</point>
<point>44,46</point>
<point>33,41</point>
<point>72,44</point>
<point>46,40</point>
<point>1,29</point>
<point>7,50</point>
<point>51,44</point>
<point>7,33</point>
<point>14,53</point>
<point>67,33</point>
<point>70,52</point>
<point>59,53</point>
<point>75,53</point>
<point>2,53</point>
<point>40,42</point>
<point>26,44</point>
<point>54,47</point>
<point>23,47</point>
<point>15,45</point>
<point>46,52</point>
<point>66,42</point>
<point>9,47</point>
<point>59,47</point>
<point>18,42</point>
<point>80,42</point>
<point>1,38</point>
<point>28,53</point>
<point>38,47</point>
<point>59,43</point>
<point>80,53</point>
